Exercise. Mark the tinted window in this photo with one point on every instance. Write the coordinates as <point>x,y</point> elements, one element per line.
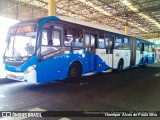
<point>126,43</point>
<point>141,46</point>
<point>107,41</point>
<point>101,41</point>
<point>153,48</point>
<point>146,47</point>
<point>138,45</point>
<point>118,43</point>
<point>87,37</point>
<point>150,47</point>
<point>50,41</point>
<point>73,37</point>
<point>92,41</point>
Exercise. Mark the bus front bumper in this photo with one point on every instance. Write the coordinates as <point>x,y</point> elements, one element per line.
<point>21,76</point>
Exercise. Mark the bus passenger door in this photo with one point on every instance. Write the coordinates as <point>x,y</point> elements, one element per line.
<point>90,50</point>
<point>48,55</point>
<point>109,51</point>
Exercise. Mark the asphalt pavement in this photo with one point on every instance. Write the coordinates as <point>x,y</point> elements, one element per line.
<point>135,89</point>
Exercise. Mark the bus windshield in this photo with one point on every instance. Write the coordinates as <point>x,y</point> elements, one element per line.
<point>21,41</point>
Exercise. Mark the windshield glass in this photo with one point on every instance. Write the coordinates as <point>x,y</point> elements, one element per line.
<point>21,41</point>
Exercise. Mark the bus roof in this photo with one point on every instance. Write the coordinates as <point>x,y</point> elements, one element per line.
<point>79,22</point>
<point>90,24</point>
<point>76,21</point>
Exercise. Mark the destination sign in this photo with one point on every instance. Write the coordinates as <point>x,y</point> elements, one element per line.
<point>22,29</point>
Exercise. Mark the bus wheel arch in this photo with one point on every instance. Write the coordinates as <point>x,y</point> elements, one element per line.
<point>120,65</point>
<point>75,70</point>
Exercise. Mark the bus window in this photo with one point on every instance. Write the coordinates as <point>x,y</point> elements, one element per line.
<point>78,38</point>
<point>141,46</point>
<point>153,48</point>
<point>101,41</point>
<point>68,36</point>
<point>44,37</point>
<point>146,47</point>
<point>111,45</point>
<point>150,47</point>
<point>55,38</point>
<point>138,45</point>
<point>107,43</point>
<point>87,37</point>
<point>50,41</point>
<point>92,44</point>
<point>126,43</point>
<point>118,43</point>
<point>73,36</point>
<point>92,41</point>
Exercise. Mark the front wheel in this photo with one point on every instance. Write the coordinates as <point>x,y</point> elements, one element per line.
<point>74,71</point>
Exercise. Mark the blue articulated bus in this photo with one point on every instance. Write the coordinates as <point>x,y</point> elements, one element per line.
<point>54,48</point>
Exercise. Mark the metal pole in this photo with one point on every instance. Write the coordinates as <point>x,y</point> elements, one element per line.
<point>126,29</point>
<point>51,7</point>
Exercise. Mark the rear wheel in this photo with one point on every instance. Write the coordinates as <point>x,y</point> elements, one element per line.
<point>74,71</point>
<point>145,63</point>
<point>120,66</point>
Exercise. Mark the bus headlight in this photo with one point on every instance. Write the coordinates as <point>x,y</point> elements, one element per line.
<point>30,68</point>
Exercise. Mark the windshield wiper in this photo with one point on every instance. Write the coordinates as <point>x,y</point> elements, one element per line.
<point>17,54</point>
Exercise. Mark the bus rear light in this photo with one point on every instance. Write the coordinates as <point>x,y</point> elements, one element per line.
<point>29,69</point>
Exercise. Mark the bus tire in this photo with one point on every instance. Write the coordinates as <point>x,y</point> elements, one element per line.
<point>75,71</point>
<point>120,66</point>
<point>145,63</point>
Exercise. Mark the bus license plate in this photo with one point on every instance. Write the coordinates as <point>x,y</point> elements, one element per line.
<point>12,76</point>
